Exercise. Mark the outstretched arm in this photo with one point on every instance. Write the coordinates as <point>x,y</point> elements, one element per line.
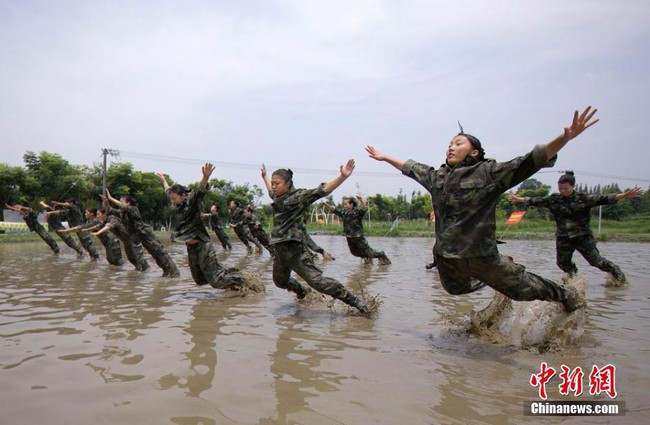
<point>206,171</point>
<point>13,207</point>
<point>376,155</point>
<point>106,228</point>
<point>514,198</point>
<point>629,193</point>
<point>580,123</point>
<point>361,201</point>
<point>113,200</point>
<point>163,179</point>
<point>345,172</point>
<point>265,177</point>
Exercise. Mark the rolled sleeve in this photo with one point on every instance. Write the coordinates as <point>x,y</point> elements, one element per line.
<point>539,157</point>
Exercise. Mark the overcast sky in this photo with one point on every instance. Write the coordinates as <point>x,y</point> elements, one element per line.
<point>307,84</point>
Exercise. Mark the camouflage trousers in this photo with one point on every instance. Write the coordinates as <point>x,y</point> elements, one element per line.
<point>359,248</point>
<point>206,269</point>
<point>585,245</point>
<point>245,236</point>
<point>309,242</point>
<point>113,250</point>
<point>67,239</point>
<point>157,250</point>
<point>134,252</point>
<point>87,242</point>
<point>263,238</point>
<point>292,256</point>
<point>223,238</point>
<point>465,275</point>
<point>45,235</point>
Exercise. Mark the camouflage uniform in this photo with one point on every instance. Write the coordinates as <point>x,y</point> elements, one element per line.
<point>241,229</point>
<point>111,245</point>
<point>572,215</point>
<point>75,218</point>
<point>202,257</point>
<point>464,198</point>
<point>217,227</point>
<point>133,250</point>
<point>290,253</point>
<point>55,225</point>
<point>255,226</point>
<point>31,219</point>
<point>353,232</point>
<point>142,232</point>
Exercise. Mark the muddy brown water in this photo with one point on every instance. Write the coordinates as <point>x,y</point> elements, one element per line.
<point>89,343</point>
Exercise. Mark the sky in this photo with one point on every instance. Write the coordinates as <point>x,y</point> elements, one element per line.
<point>308,84</point>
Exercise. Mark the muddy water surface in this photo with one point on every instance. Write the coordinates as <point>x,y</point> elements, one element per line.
<point>89,343</point>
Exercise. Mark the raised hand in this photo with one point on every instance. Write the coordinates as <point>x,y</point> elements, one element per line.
<point>580,123</point>
<point>346,170</point>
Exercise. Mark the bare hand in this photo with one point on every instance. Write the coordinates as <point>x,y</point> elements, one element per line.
<point>162,177</point>
<point>346,170</point>
<point>207,169</point>
<point>632,193</point>
<point>374,153</point>
<point>263,171</point>
<point>580,123</point>
<point>514,198</point>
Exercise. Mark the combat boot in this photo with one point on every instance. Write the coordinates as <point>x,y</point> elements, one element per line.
<point>573,300</point>
<point>383,259</point>
<point>351,300</point>
<point>618,274</point>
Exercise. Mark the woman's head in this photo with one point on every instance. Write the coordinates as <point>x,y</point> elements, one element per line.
<point>91,213</point>
<point>248,211</point>
<point>129,200</point>
<point>464,148</point>
<point>349,203</point>
<point>101,214</point>
<point>281,181</point>
<point>178,193</point>
<point>566,183</point>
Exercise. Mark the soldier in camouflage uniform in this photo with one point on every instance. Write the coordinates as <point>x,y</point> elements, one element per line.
<point>240,228</point>
<point>110,242</point>
<point>190,230</point>
<point>289,206</point>
<point>55,225</point>
<point>217,227</point>
<point>142,232</point>
<point>31,219</point>
<point>73,214</point>
<point>572,213</point>
<point>312,247</point>
<point>110,220</point>
<point>352,217</point>
<point>257,230</point>
<point>465,191</point>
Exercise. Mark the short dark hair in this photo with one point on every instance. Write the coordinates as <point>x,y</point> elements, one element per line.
<point>92,210</point>
<point>179,189</point>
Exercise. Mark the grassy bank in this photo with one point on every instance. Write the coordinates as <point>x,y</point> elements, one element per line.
<point>634,230</point>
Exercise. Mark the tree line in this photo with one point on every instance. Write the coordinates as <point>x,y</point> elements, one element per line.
<point>48,176</point>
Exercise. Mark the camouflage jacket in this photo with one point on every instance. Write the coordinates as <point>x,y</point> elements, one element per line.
<point>31,220</point>
<point>352,220</point>
<point>215,221</point>
<point>74,216</point>
<point>54,222</point>
<point>465,197</point>
<point>253,222</point>
<point>289,213</point>
<point>117,226</point>
<point>571,213</point>
<point>130,216</point>
<point>236,216</point>
<point>188,224</point>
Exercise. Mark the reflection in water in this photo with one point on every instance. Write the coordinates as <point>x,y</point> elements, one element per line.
<point>84,342</point>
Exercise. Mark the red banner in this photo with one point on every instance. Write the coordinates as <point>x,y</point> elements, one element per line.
<point>515,217</point>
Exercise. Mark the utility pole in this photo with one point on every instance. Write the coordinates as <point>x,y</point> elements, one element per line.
<point>105,153</point>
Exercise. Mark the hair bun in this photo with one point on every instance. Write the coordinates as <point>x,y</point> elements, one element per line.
<point>290,172</point>
<point>571,173</point>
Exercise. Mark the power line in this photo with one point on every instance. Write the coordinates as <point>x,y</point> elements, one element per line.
<point>318,171</point>
<point>243,166</point>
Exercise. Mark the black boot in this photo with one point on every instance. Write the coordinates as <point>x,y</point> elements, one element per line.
<point>358,303</point>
